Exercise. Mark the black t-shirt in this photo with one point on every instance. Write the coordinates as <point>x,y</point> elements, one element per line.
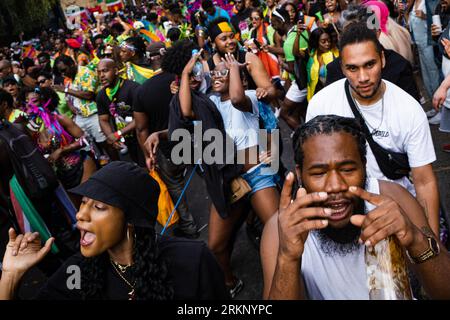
<point>193,272</point>
<point>153,98</point>
<point>124,100</point>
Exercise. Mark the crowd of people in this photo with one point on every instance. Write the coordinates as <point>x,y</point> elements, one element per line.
<point>100,108</point>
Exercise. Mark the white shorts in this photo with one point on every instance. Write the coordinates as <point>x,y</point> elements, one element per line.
<point>294,94</point>
<point>91,127</point>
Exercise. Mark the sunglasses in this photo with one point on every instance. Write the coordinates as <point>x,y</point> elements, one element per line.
<point>219,73</point>
<point>42,81</point>
<point>255,18</point>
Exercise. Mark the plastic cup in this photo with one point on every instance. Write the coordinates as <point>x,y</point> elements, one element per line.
<point>437,21</point>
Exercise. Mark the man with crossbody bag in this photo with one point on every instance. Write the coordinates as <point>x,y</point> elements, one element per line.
<point>395,124</point>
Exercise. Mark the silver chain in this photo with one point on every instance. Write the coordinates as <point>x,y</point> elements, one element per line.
<point>367,122</point>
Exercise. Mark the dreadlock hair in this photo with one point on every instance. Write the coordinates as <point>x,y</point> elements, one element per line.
<point>150,271</point>
<point>358,32</point>
<point>177,56</point>
<point>327,124</point>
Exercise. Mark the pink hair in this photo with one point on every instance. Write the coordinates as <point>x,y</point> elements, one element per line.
<point>381,11</point>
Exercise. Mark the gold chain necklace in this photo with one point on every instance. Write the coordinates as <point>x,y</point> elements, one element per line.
<point>115,266</point>
<point>122,267</point>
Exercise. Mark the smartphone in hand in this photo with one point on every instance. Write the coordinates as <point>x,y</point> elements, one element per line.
<point>301,17</point>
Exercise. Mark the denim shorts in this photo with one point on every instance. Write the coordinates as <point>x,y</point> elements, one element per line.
<point>260,180</point>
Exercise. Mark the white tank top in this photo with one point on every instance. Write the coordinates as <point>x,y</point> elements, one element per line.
<point>337,277</point>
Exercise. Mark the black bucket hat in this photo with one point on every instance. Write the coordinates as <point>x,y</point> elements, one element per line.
<point>127,186</point>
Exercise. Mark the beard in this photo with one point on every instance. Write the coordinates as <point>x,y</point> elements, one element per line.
<point>375,91</point>
<point>344,240</point>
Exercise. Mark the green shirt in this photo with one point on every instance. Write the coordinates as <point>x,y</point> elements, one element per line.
<point>63,107</point>
<point>288,45</point>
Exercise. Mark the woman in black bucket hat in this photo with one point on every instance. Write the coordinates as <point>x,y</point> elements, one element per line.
<point>121,256</point>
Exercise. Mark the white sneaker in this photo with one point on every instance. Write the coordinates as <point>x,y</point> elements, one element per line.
<point>436,119</point>
<point>431,113</point>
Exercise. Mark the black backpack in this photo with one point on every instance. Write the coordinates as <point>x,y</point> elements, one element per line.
<point>32,170</point>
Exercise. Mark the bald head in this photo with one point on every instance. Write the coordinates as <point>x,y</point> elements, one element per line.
<point>107,62</point>
<point>5,69</point>
<point>107,72</point>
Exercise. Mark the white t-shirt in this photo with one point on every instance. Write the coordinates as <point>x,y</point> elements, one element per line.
<point>241,126</point>
<point>336,277</point>
<point>404,127</point>
<point>446,72</point>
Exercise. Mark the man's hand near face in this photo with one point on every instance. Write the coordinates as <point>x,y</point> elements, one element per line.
<point>387,219</point>
<point>296,218</point>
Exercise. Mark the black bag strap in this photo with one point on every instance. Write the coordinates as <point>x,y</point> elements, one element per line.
<point>383,157</point>
<point>358,115</point>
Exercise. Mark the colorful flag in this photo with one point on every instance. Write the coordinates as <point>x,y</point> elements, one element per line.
<point>149,36</point>
<point>139,74</point>
<point>114,5</point>
<point>319,15</point>
<point>309,21</point>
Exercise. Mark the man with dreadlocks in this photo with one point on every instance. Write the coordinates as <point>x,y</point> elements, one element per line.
<point>314,247</point>
<point>121,255</point>
<point>132,55</point>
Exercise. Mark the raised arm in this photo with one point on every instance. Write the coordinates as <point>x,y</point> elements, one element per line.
<point>260,76</point>
<point>185,91</point>
<point>296,48</point>
<point>236,90</point>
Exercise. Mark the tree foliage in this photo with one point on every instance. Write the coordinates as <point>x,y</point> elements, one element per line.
<point>18,16</point>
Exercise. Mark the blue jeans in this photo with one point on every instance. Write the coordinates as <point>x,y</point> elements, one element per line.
<point>430,72</point>
<point>258,180</point>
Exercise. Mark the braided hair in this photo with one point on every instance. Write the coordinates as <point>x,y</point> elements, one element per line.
<point>327,124</point>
